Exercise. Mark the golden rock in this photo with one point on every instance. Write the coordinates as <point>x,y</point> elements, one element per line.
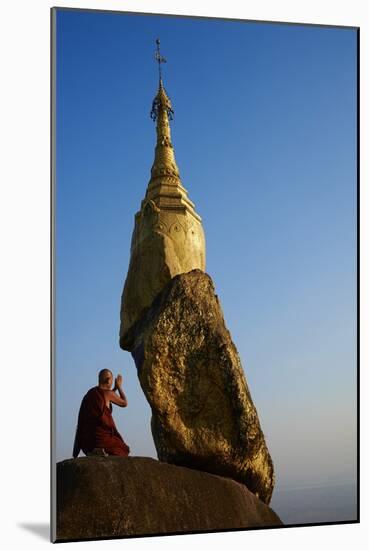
<point>203,416</point>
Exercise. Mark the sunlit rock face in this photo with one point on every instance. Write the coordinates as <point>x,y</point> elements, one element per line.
<point>118,496</point>
<point>203,416</point>
<point>168,236</point>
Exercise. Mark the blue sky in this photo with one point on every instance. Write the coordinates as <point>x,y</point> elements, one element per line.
<point>265,140</point>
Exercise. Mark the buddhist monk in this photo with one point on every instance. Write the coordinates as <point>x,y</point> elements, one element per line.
<point>96,432</point>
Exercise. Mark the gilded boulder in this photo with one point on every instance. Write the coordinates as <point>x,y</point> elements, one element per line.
<point>203,416</point>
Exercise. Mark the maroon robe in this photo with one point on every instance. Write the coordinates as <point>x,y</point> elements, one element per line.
<point>96,426</point>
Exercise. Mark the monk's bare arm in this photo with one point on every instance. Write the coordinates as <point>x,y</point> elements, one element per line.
<point>120,400</point>
<point>122,395</point>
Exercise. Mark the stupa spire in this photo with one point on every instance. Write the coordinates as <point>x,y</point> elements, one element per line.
<point>162,112</point>
<point>168,237</point>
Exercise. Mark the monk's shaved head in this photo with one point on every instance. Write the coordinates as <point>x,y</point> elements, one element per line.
<point>104,376</point>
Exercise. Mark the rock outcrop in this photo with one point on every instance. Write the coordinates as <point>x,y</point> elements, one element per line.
<point>203,416</point>
<point>117,497</point>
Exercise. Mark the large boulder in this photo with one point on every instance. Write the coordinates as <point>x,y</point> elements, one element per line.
<point>203,416</point>
<point>115,497</point>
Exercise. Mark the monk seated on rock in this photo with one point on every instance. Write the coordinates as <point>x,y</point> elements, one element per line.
<point>96,433</point>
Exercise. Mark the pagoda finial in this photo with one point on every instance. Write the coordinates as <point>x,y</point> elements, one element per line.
<point>161,113</point>
<point>159,58</point>
<point>161,101</point>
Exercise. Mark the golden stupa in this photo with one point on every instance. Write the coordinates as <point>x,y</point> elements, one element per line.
<point>168,237</point>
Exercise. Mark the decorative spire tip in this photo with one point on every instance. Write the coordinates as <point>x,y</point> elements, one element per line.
<point>161,101</point>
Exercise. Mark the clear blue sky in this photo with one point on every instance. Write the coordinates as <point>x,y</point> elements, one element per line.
<point>265,139</point>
